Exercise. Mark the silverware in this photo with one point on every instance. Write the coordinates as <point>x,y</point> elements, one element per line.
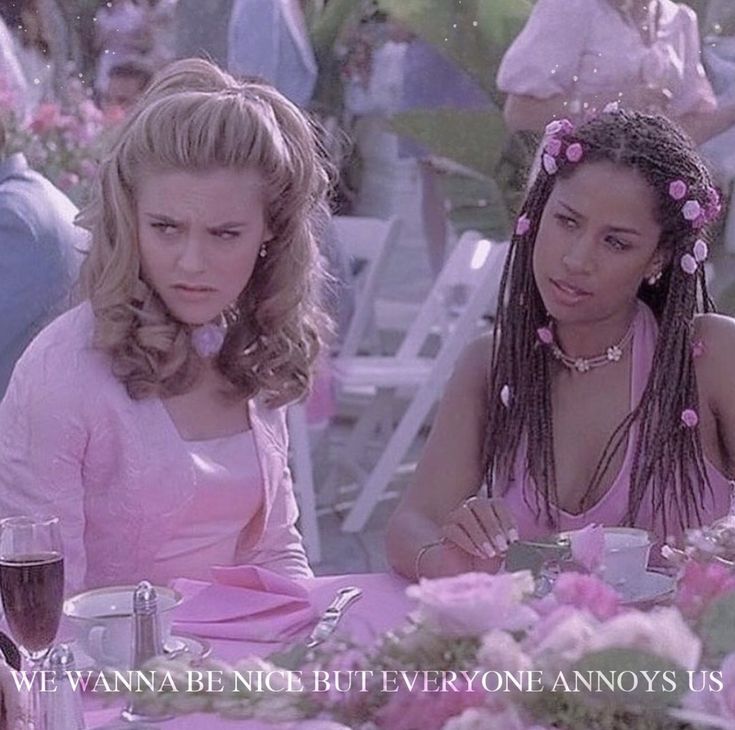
<point>332,615</point>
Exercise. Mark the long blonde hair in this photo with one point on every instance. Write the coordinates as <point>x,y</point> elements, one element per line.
<point>196,117</point>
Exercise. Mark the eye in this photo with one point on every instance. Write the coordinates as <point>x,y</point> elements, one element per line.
<point>617,244</point>
<point>165,229</point>
<point>227,235</point>
<point>566,221</point>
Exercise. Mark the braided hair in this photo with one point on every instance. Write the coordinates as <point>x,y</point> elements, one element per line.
<point>667,460</point>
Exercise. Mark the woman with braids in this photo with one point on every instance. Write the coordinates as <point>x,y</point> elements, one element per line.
<point>149,418</point>
<point>605,394</point>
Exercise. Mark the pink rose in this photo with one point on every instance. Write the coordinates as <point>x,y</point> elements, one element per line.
<point>545,335</point>
<point>523,225</point>
<point>474,603</point>
<point>587,592</point>
<point>549,164</point>
<point>688,263</point>
<point>553,146</point>
<point>691,210</point>
<point>700,584</point>
<point>47,117</point>
<point>701,250</point>
<point>588,546</point>
<point>689,418</point>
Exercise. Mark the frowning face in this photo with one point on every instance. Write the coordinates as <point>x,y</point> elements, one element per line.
<point>199,235</point>
<point>597,240</point>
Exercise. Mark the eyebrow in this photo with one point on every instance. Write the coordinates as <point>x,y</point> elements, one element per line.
<point>217,227</point>
<point>617,229</point>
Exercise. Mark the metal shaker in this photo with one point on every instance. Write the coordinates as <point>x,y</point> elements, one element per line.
<point>62,708</point>
<point>147,641</point>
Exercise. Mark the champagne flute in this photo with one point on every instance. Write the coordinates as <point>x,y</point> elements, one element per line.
<point>32,590</point>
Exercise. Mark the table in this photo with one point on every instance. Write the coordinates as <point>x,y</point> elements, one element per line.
<point>383,605</point>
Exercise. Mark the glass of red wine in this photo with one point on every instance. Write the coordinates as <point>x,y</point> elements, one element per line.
<point>32,588</point>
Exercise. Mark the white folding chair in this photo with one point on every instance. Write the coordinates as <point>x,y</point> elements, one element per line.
<point>466,289</point>
<point>367,241</point>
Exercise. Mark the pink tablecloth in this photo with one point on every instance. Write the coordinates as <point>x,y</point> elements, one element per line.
<point>382,606</point>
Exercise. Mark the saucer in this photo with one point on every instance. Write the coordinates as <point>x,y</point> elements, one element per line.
<point>648,587</point>
<point>175,646</point>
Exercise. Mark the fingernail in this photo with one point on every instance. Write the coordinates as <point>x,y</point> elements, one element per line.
<point>513,534</point>
<point>488,548</point>
<point>502,543</point>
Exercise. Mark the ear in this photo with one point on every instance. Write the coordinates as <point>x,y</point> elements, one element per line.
<point>658,263</point>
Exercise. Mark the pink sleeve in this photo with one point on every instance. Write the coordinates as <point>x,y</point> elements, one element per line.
<point>42,442</point>
<point>696,91</point>
<point>547,53</point>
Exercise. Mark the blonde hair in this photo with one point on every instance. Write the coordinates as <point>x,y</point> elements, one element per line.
<point>196,117</point>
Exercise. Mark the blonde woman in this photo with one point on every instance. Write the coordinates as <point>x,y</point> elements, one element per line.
<point>149,418</point>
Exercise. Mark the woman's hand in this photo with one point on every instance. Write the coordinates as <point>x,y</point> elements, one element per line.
<point>481,527</point>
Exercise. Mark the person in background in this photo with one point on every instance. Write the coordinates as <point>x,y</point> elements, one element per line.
<point>269,38</point>
<point>126,83</point>
<point>40,255</point>
<point>151,417</point>
<point>605,393</point>
<point>644,54</point>
<point>200,29</point>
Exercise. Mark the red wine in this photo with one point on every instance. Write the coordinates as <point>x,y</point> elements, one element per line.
<point>32,590</point>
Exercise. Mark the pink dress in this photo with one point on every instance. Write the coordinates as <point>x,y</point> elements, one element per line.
<point>119,475</point>
<point>610,510</point>
<point>581,47</point>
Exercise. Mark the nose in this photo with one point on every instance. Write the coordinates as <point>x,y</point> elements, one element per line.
<point>192,258</point>
<point>579,255</point>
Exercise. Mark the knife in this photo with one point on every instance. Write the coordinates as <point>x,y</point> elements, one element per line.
<point>330,618</point>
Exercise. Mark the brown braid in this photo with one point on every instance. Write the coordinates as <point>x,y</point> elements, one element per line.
<point>668,457</point>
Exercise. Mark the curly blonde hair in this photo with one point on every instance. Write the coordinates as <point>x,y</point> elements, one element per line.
<point>196,117</point>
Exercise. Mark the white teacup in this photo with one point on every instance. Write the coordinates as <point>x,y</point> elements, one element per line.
<point>625,557</point>
<point>102,620</point>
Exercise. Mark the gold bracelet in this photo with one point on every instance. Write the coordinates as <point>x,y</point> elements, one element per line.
<point>420,554</point>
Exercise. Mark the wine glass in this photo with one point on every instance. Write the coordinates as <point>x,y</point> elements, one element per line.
<point>32,589</point>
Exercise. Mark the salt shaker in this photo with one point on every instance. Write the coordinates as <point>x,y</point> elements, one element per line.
<point>62,707</point>
<point>146,630</point>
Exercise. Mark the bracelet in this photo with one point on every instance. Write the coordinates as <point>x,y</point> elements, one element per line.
<point>420,555</point>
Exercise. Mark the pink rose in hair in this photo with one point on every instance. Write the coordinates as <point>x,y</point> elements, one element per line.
<point>691,210</point>
<point>677,189</point>
<point>522,225</point>
<point>549,164</point>
<point>688,263</point>
<point>575,152</point>
<point>553,146</point>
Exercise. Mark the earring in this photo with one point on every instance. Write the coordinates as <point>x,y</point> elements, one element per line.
<point>263,251</point>
<point>654,278</point>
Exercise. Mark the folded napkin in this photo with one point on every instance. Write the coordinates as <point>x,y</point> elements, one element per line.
<point>244,603</point>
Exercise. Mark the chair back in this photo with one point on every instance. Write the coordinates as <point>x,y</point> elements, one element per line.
<point>466,288</point>
<point>367,241</point>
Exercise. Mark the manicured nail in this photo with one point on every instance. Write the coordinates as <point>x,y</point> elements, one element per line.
<point>502,543</point>
<point>488,548</point>
<point>513,534</point>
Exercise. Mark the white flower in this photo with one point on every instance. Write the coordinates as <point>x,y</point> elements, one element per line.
<point>561,639</point>
<point>499,651</point>
<point>661,632</point>
<point>474,603</point>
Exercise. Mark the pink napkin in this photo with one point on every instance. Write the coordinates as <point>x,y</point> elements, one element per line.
<point>244,603</point>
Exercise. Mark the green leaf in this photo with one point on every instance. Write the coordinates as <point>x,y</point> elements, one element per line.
<point>717,628</point>
<point>471,138</point>
<point>609,664</point>
<point>473,33</point>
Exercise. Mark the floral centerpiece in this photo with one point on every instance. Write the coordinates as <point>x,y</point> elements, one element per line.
<point>485,652</point>
<point>64,143</point>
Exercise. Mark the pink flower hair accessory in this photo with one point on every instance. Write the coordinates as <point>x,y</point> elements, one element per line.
<point>691,210</point>
<point>549,164</point>
<point>677,189</point>
<point>505,395</point>
<point>688,263</point>
<point>698,349</point>
<point>689,418</point>
<point>545,335</point>
<point>522,225</point>
<point>701,250</point>
<point>574,152</point>
<point>558,126</point>
<point>553,146</point>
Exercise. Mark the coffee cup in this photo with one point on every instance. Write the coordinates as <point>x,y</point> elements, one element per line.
<point>625,557</point>
<point>102,622</point>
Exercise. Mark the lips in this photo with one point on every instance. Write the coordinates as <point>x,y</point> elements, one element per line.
<point>570,289</point>
<point>193,288</point>
<point>567,294</point>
